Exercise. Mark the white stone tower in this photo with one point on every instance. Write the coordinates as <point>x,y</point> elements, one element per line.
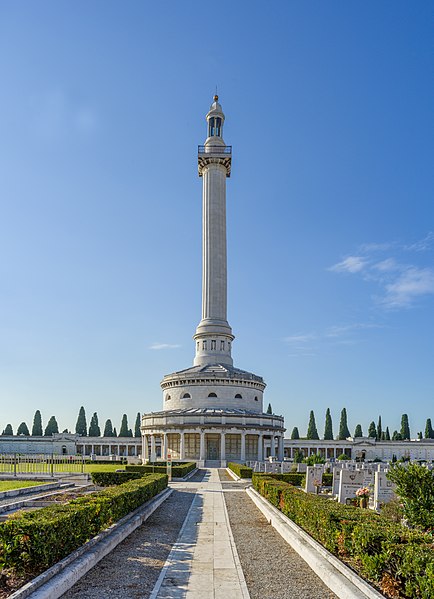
<point>214,335</point>
<point>213,412</point>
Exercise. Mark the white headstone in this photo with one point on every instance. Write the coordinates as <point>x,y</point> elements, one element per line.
<point>384,490</point>
<point>313,478</point>
<point>349,482</point>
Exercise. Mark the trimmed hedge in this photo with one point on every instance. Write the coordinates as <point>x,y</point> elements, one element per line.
<point>107,479</point>
<point>240,470</point>
<point>179,470</point>
<point>31,542</point>
<point>397,560</point>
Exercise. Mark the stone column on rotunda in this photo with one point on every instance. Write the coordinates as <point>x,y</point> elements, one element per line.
<point>213,335</point>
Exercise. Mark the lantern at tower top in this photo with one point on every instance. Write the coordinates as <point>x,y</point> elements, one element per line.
<point>215,119</point>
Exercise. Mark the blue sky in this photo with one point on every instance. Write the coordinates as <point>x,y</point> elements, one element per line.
<point>330,204</point>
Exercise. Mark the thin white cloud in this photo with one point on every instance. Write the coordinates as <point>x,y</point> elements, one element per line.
<point>300,338</point>
<point>339,331</point>
<point>368,248</point>
<point>387,265</point>
<point>400,283</point>
<point>352,264</point>
<point>158,346</point>
<point>423,244</point>
<point>408,287</point>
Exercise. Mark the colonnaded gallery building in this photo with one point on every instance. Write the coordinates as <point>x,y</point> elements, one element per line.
<point>213,411</point>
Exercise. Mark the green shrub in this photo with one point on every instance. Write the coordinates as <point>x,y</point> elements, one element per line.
<point>240,470</point>
<point>384,552</point>
<point>293,478</point>
<point>415,487</point>
<point>327,479</point>
<point>107,479</point>
<point>179,469</point>
<point>31,542</point>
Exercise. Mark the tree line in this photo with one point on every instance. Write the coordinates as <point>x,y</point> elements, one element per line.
<point>375,431</point>
<point>81,427</point>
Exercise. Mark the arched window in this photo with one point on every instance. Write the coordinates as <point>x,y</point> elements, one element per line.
<point>213,344</point>
<point>186,396</point>
<point>167,397</point>
<point>212,395</point>
<point>238,396</point>
<point>204,345</point>
<point>256,398</point>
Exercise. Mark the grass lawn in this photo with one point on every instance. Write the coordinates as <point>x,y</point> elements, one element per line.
<point>8,485</point>
<point>45,468</point>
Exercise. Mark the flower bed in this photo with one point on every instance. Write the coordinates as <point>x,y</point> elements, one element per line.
<point>31,542</point>
<point>398,561</point>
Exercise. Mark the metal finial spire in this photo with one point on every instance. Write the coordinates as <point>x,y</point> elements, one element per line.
<point>216,95</point>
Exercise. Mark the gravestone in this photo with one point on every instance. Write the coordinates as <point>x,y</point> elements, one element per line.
<point>301,468</point>
<point>384,490</point>
<point>336,480</point>
<point>313,478</point>
<point>349,482</point>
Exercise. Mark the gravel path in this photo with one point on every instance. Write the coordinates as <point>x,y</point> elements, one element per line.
<point>131,570</point>
<point>272,569</point>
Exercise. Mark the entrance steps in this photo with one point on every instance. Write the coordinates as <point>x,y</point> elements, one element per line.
<point>212,464</point>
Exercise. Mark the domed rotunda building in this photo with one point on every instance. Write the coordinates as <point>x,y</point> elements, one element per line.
<point>213,412</point>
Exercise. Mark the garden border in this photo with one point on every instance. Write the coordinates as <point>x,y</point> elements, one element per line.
<point>339,578</point>
<point>55,581</point>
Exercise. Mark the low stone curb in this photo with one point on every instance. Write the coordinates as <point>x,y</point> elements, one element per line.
<point>55,581</point>
<point>236,477</point>
<point>186,477</point>
<point>27,501</point>
<point>25,490</point>
<point>339,578</point>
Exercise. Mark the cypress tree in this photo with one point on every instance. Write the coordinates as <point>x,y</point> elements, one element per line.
<point>372,431</point>
<point>358,432</point>
<point>37,425</point>
<point>115,432</point>
<point>269,409</point>
<point>8,430</point>
<point>344,432</point>
<point>312,433</point>
<point>137,432</point>
<point>419,435</point>
<point>328,428</point>
<point>51,427</point>
<point>94,430</point>
<point>396,436</point>
<point>379,429</point>
<point>383,436</point>
<point>81,425</point>
<point>23,429</point>
<point>108,429</point>
<point>295,434</point>
<point>129,433</point>
<point>405,427</point>
<point>123,432</point>
<point>429,432</point>
<point>387,434</point>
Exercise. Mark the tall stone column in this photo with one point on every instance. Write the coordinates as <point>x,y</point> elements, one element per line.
<point>214,335</point>
<point>280,448</point>
<point>243,447</point>
<point>272,446</point>
<point>223,448</point>
<point>202,447</point>
<point>145,449</point>
<point>181,447</point>
<point>153,454</point>
<point>260,448</point>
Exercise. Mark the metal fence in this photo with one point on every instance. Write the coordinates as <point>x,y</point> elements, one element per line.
<point>17,464</point>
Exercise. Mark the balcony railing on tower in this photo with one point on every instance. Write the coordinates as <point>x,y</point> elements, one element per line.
<point>214,150</point>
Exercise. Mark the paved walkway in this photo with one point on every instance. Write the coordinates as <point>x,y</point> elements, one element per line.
<point>204,561</point>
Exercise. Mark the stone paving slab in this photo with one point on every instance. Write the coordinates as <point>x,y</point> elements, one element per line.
<point>204,562</point>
